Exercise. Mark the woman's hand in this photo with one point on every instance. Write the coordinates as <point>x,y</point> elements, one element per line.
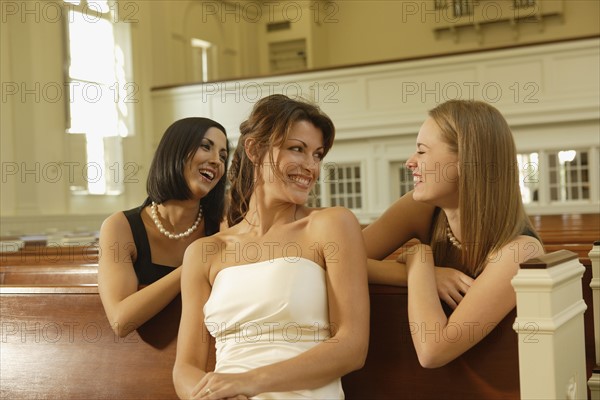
<point>489,299</point>
<point>452,285</point>
<point>218,386</point>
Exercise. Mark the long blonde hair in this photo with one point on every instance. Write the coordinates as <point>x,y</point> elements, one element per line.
<point>491,209</point>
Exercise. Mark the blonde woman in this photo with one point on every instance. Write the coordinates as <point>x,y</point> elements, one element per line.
<point>467,212</point>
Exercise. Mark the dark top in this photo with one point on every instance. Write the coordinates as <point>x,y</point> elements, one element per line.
<point>146,271</point>
<point>525,232</point>
<point>528,232</point>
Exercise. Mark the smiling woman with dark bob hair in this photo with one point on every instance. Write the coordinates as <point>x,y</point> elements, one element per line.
<point>142,248</point>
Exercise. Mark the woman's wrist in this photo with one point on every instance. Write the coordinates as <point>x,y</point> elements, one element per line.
<point>257,381</point>
<point>420,256</point>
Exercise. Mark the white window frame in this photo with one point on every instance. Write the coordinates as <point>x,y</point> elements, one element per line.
<point>326,179</point>
<point>396,168</point>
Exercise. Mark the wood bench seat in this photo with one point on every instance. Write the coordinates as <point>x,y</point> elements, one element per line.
<point>565,221</point>
<point>582,250</point>
<point>41,254</point>
<point>490,370</point>
<point>52,275</point>
<point>57,343</point>
<point>586,236</point>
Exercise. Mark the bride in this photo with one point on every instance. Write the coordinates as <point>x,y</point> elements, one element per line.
<point>283,290</point>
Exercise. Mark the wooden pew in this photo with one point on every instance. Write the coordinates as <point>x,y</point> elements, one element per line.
<point>41,265</point>
<point>490,370</point>
<point>57,343</point>
<point>392,370</point>
<point>49,255</point>
<point>49,275</point>
<point>575,232</point>
<point>565,222</point>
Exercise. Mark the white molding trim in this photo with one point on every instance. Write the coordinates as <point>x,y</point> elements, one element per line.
<point>550,97</point>
<point>370,98</point>
<point>594,256</point>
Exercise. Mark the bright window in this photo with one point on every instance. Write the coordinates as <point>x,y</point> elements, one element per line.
<point>100,101</point>
<point>558,177</point>
<point>405,178</point>
<point>529,176</point>
<point>569,175</point>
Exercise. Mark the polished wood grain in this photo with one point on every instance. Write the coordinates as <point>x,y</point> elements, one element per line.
<point>57,343</point>
<point>490,370</point>
<point>51,255</point>
<point>49,274</point>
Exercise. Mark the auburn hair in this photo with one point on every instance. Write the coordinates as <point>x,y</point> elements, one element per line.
<point>268,126</point>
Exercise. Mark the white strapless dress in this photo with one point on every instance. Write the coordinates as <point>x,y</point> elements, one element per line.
<point>266,312</point>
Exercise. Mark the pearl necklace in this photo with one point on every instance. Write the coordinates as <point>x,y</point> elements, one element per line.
<point>452,238</point>
<point>168,234</point>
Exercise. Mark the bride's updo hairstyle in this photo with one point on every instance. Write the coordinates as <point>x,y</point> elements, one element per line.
<point>268,126</point>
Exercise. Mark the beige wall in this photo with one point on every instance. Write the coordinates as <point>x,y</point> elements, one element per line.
<point>33,115</point>
<point>174,23</point>
<point>346,32</point>
<point>372,30</point>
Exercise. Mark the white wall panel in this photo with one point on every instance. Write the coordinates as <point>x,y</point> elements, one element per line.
<point>550,95</point>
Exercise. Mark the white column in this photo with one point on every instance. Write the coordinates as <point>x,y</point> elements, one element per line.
<point>594,382</point>
<point>550,326</point>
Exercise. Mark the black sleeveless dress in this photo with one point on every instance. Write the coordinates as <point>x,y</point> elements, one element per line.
<point>147,272</point>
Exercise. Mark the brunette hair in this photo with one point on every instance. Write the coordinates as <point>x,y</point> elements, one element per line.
<point>268,126</point>
<point>166,180</point>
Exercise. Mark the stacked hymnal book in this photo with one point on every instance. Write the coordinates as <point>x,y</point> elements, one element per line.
<point>11,244</point>
<point>78,239</point>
